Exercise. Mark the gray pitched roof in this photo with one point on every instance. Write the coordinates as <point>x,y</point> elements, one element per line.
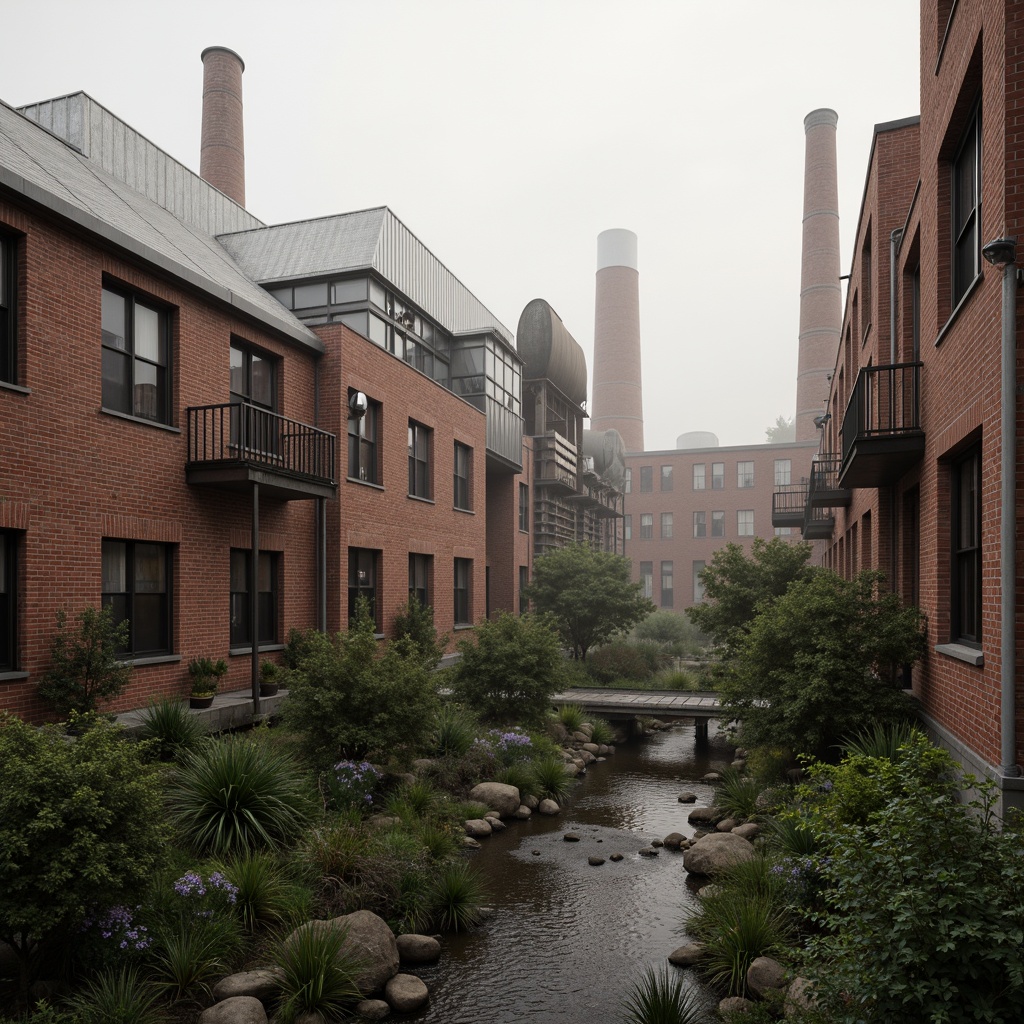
<point>364,240</point>
<point>44,169</point>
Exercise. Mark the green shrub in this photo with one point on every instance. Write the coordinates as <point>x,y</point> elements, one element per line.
<point>117,997</point>
<point>84,666</point>
<point>414,624</point>
<point>456,897</point>
<point>81,829</point>
<point>662,997</point>
<point>172,728</point>
<point>412,801</point>
<point>231,796</point>
<point>620,659</point>
<point>519,775</point>
<point>881,740</point>
<point>679,680</point>
<point>572,716</point>
<point>438,840</point>
<point>266,894</point>
<point>453,732</point>
<point>350,699</point>
<point>738,795</point>
<point>509,669</point>
<point>188,958</point>
<point>550,778</point>
<point>318,973</point>
<point>672,631</point>
<point>602,731</point>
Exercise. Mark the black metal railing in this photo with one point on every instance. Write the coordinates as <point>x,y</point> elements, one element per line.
<point>788,502</point>
<point>241,433</point>
<point>884,404</point>
<point>824,474</point>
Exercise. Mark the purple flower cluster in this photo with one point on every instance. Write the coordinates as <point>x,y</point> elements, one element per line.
<point>118,925</point>
<point>206,895</point>
<point>801,879</point>
<point>508,746</point>
<point>354,782</point>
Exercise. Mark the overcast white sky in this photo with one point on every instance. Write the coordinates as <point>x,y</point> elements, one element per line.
<point>508,135</point>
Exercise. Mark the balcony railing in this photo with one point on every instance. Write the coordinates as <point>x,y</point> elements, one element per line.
<point>788,503</point>
<point>824,490</point>
<point>237,444</point>
<point>882,435</point>
<point>818,523</point>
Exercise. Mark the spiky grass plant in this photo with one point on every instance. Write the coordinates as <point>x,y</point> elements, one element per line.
<point>333,851</point>
<point>572,716</point>
<point>171,726</point>
<point>456,897</point>
<point>791,835</point>
<point>883,740</point>
<point>412,801</point>
<point>550,777</point>
<point>454,731</point>
<point>117,997</point>
<point>738,794</point>
<point>662,997</point>
<point>519,775</point>
<point>601,731</point>
<point>232,796</point>
<point>188,959</point>
<point>318,972</point>
<point>679,680</point>
<point>439,841</point>
<point>266,894</point>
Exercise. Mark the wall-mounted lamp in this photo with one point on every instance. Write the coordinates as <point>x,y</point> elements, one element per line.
<point>820,421</point>
<point>1001,252</point>
<point>358,404</point>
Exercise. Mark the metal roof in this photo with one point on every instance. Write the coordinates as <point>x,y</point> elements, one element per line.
<point>364,240</point>
<point>43,168</point>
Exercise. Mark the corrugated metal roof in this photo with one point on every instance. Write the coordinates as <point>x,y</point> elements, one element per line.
<point>44,169</point>
<point>367,239</point>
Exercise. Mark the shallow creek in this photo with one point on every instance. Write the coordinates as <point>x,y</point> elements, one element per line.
<point>567,939</point>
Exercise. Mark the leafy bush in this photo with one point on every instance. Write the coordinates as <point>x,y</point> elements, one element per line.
<point>84,666</point>
<point>232,796</point>
<point>882,740</point>
<point>621,659</point>
<point>80,827</point>
<point>509,669</point>
<point>456,897</point>
<point>350,700</point>
<point>519,775</point>
<point>673,631</point>
<point>414,624</point>
<point>351,785</point>
<point>187,959</point>
<point>172,727</point>
<point>318,973</point>
<point>680,680</point>
<point>661,997</point>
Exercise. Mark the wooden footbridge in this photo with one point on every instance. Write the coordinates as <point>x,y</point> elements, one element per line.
<point>700,705</point>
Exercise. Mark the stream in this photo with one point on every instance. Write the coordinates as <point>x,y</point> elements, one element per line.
<point>567,939</point>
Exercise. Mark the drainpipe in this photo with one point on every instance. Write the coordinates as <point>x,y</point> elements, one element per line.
<point>895,238</point>
<point>254,602</point>
<point>1002,253</point>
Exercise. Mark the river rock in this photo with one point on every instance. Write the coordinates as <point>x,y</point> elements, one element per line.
<point>799,997</point>
<point>470,843</point>
<point>571,837</point>
<point>557,731</point>
<point>572,769</point>
<point>579,736</point>
<point>616,857</point>
<point>687,798</point>
<point>418,949</point>
<point>405,993</point>
<point>372,1009</point>
<point>383,820</point>
<point>595,861</point>
<point>422,764</point>
<point>477,827</point>
<point>587,757</point>
<point>735,1004</point>
<point>648,851</point>
<point>748,830</point>
<point>264,985</point>
<point>531,801</point>
<point>673,840</point>
<point>711,777</point>
<point>523,813</point>
<point>727,824</point>
<point>657,843</point>
<point>587,729</point>
<point>704,816</point>
<point>765,975</point>
<point>549,806</point>
<point>688,955</point>
<point>592,748</point>
<point>497,825</point>
<point>716,852</point>
<point>536,853</point>
<point>235,1010</point>
<point>503,798</point>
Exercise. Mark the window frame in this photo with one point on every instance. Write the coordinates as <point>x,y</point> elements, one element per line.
<point>421,577</point>
<point>666,525</point>
<point>364,463</point>
<point>744,527</point>
<point>700,525</point>
<point>666,478</point>
<point>783,471</point>
<point>744,475</point>
<point>646,526</point>
<point>627,527</point>
<point>462,494</point>
<point>268,601</point>
<point>524,508</point>
<point>667,584</point>
<point>420,443</point>
<point>646,479</point>
<point>134,597</point>
<point>8,308</point>
<point>647,580</point>
<point>965,562</point>
<point>370,559</point>
<point>462,592</point>
<point>718,523</point>
<point>718,476</point>
<point>700,477</point>
<point>129,357</point>
<point>965,224</point>
<point>8,601</point>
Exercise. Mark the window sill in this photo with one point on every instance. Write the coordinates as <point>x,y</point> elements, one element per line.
<point>153,659</point>
<point>233,651</point>
<point>12,677</point>
<point>6,385</point>
<point>462,625</point>
<point>416,497</point>
<point>959,306</point>
<point>364,483</point>
<point>138,419</point>
<point>970,655</point>
<point>464,511</point>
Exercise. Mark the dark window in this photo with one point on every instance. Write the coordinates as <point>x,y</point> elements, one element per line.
<point>241,598</point>
<point>463,590</point>
<point>524,508</point>
<point>419,578</point>
<point>666,478</point>
<point>646,478</point>
<point>8,600</point>
<point>700,524</point>
<point>717,476</point>
<point>667,591</point>
<point>965,619</point>
<point>419,460</point>
<point>362,583</point>
<point>8,311</point>
<point>254,392</point>
<point>136,588</point>
<point>136,350</point>
<point>647,526</point>
<point>463,459</point>
<point>966,189</point>
<point>524,582</point>
<point>717,524</point>
<point>363,463</point>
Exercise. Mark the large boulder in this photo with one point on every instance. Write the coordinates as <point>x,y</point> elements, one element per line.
<point>477,828</point>
<point>717,851</point>
<point>704,816</point>
<point>503,798</point>
<point>688,955</point>
<point>549,807</point>
<point>765,975</point>
<point>264,984</point>
<point>405,993</point>
<point>418,949</point>
<point>799,997</point>
<point>236,1010</point>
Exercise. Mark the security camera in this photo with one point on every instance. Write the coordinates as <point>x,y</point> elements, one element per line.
<point>358,403</point>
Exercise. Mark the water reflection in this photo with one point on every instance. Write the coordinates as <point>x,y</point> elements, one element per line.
<point>567,938</point>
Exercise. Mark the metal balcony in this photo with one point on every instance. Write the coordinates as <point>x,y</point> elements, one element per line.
<point>233,446</point>
<point>824,490</point>
<point>788,503</point>
<point>882,435</point>
<point>818,523</point>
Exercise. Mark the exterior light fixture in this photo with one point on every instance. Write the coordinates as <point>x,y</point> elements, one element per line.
<point>358,403</point>
<point>1001,252</point>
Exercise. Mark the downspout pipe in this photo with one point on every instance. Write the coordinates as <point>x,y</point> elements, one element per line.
<point>1002,253</point>
<point>895,239</point>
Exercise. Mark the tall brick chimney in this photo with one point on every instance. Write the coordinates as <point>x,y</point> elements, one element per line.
<point>821,314</point>
<point>222,152</point>
<point>617,402</point>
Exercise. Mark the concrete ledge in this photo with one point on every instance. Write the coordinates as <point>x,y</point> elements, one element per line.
<point>229,711</point>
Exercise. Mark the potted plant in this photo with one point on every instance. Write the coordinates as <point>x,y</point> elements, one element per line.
<point>269,683</point>
<point>206,674</point>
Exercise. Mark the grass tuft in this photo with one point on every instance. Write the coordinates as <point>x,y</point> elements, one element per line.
<point>572,716</point>
<point>172,727</point>
<point>456,897</point>
<point>550,778</point>
<point>318,973</point>
<point>660,997</point>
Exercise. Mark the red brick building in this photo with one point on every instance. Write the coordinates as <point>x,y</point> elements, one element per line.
<point>922,440</point>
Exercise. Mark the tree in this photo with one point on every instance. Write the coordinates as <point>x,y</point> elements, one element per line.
<point>818,663</point>
<point>509,670</point>
<point>81,830</point>
<point>738,585</point>
<point>350,698</point>
<point>673,630</point>
<point>415,622</point>
<point>780,431</point>
<point>588,593</point>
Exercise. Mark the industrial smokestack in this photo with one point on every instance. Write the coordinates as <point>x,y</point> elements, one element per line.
<point>222,153</point>
<point>821,314</point>
<point>617,402</point>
